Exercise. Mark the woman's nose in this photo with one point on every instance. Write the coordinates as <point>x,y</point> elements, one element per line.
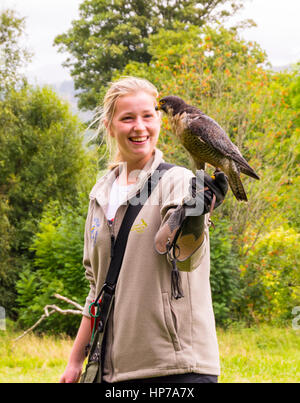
<point>139,124</point>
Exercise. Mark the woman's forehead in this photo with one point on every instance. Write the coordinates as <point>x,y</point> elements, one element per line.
<point>135,102</point>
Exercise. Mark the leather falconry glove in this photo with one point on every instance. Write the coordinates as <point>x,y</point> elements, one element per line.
<point>215,187</point>
<point>206,193</point>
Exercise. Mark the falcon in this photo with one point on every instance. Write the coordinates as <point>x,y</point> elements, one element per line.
<point>207,142</point>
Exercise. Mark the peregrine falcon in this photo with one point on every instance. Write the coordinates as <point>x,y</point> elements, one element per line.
<point>207,142</point>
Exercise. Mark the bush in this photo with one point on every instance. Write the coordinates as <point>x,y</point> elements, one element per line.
<point>224,276</point>
<point>58,268</point>
<point>271,277</point>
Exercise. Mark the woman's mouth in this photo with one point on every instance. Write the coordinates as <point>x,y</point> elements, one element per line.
<point>139,140</point>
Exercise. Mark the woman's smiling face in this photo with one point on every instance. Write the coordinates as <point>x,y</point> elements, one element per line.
<point>135,126</point>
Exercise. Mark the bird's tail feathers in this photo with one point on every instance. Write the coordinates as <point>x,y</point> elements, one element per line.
<point>249,172</point>
<point>244,167</point>
<point>237,187</point>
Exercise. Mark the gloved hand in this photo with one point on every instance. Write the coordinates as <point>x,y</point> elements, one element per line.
<point>181,235</point>
<point>199,202</point>
<point>201,199</point>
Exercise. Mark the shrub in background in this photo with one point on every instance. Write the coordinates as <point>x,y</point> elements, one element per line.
<point>271,277</point>
<point>58,248</point>
<point>224,275</point>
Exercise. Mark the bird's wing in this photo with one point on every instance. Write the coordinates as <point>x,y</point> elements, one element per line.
<point>212,134</point>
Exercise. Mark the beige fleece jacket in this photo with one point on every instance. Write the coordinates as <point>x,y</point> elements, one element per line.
<point>149,334</point>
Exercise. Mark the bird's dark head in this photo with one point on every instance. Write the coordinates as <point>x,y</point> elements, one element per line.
<point>171,105</point>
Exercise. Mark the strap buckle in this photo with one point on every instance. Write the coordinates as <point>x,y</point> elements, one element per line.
<point>109,288</point>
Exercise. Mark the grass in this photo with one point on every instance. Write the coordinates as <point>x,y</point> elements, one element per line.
<point>33,359</point>
<point>255,355</point>
<point>261,354</point>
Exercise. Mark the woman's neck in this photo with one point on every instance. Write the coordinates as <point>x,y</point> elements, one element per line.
<point>130,172</point>
<point>128,176</point>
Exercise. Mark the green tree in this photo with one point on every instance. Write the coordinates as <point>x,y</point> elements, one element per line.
<point>13,56</point>
<point>7,273</point>
<point>41,159</point>
<point>109,34</point>
<point>293,98</point>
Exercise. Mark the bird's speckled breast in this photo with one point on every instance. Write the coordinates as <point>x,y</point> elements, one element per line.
<point>199,150</point>
<point>178,124</point>
<point>191,142</point>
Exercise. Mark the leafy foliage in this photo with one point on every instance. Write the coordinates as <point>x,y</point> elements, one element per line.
<point>41,159</point>
<point>228,79</point>
<point>7,271</point>
<point>271,277</point>
<point>58,247</point>
<point>44,169</point>
<point>109,34</point>
<point>225,275</point>
<point>41,156</point>
<point>13,56</point>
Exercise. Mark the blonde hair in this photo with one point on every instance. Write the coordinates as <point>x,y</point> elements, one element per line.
<point>104,114</point>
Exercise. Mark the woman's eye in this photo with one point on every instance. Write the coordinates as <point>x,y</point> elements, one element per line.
<point>126,118</point>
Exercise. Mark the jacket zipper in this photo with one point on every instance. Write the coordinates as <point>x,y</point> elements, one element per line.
<point>112,237</point>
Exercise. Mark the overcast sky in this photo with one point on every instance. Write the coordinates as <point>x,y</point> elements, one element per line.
<point>278,31</point>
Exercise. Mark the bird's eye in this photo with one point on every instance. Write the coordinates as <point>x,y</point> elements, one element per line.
<point>162,102</point>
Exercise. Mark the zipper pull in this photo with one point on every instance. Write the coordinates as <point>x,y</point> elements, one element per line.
<point>112,242</point>
<point>112,239</point>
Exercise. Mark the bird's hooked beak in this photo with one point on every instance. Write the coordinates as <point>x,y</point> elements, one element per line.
<point>159,106</point>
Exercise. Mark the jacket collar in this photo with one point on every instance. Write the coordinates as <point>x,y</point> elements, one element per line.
<point>101,190</point>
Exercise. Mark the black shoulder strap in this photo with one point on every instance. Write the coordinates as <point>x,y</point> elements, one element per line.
<point>132,211</point>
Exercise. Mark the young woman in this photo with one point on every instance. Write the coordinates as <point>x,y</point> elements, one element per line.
<point>150,336</point>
